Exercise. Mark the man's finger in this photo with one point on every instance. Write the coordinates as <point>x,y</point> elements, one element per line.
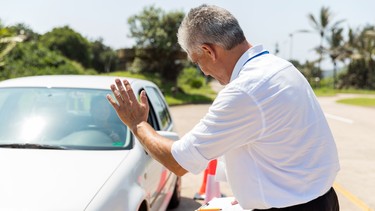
<point>121,90</point>
<point>144,100</point>
<point>117,94</point>
<point>129,91</point>
<point>112,102</point>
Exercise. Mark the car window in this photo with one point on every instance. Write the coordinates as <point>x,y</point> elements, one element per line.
<point>73,118</point>
<point>152,120</point>
<point>159,106</point>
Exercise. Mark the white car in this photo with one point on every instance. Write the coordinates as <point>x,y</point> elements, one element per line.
<point>62,147</point>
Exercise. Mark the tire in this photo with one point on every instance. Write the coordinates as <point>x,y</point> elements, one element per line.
<point>176,197</point>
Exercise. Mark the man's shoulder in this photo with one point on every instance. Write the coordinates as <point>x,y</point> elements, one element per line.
<point>256,73</point>
<point>265,65</point>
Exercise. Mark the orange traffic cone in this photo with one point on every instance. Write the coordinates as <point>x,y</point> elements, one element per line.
<point>212,186</point>
<point>202,191</point>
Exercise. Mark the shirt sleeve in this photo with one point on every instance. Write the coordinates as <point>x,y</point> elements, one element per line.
<point>233,120</point>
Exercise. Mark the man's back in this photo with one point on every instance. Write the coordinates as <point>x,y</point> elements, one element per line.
<point>293,154</point>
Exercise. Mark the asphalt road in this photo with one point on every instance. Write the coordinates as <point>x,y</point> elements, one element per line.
<point>354,131</point>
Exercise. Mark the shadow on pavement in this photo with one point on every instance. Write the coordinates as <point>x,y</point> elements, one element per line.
<point>187,204</point>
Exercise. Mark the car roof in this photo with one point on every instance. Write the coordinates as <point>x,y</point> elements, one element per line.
<point>72,81</point>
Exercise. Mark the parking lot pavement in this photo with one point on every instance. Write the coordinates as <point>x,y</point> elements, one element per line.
<point>353,129</point>
<point>185,118</point>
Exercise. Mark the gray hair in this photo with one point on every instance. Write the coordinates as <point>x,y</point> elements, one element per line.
<point>209,24</point>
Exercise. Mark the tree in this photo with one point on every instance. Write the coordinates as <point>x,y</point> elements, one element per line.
<point>323,26</point>
<point>32,58</point>
<point>8,40</point>
<point>104,59</point>
<point>310,71</point>
<point>156,49</point>
<point>361,69</point>
<point>337,50</point>
<point>70,43</point>
<point>23,29</point>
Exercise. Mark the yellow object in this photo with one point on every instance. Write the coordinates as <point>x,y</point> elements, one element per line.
<point>209,209</point>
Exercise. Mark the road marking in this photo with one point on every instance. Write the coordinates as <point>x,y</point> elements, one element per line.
<point>351,197</point>
<point>339,118</point>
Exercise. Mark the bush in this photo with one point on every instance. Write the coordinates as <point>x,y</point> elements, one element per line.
<point>196,83</point>
<point>191,77</point>
<point>31,58</point>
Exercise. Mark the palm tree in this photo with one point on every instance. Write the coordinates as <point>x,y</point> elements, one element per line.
<point>337,50</point>
<point>361,53</point>
<point>7,42</point>
<point>322,25</point>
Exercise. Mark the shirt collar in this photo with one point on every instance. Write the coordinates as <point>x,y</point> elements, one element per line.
<point>247,55</point>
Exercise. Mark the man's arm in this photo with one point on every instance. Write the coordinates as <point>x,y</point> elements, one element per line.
<point>134,115</point>
<point>158,147</point>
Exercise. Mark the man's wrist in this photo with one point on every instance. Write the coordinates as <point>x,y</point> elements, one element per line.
<point>137,126</point>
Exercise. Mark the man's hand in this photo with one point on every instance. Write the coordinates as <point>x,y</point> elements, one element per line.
<point>130,111</point>
<point>134,115</point>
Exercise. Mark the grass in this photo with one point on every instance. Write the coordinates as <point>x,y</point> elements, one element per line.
<point>358,101</point>
<point>191,96</point>
<point>322,92</point>
<point>357,91</point>
<point>367,102</point>
<point>325,92</point>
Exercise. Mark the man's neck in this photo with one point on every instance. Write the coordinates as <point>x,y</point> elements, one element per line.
<point>239,50</point>
<point>234,54</point>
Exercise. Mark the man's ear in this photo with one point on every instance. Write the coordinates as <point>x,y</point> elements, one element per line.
<point>209,50</point>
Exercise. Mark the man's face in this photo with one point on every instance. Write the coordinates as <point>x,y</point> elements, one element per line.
<point>208,66</point>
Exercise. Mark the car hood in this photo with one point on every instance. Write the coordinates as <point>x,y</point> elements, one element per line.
<point>40,179</point>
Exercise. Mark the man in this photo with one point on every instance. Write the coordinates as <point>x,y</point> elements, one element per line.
<point>266,123</point>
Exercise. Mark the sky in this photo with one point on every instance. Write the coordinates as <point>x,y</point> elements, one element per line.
<point>266,22</point>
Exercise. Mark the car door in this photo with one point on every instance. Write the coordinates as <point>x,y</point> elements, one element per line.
<point>160,119</point>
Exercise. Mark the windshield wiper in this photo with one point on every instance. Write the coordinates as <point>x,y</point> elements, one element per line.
<point>32,146</point>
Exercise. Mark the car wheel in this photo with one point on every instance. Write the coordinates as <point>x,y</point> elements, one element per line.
<point>143,206</point>
<point>176,197</point>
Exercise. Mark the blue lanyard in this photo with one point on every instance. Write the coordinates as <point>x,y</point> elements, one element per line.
<point>259,54</point>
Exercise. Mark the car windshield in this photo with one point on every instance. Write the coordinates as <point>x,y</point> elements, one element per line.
<point>60,118</point>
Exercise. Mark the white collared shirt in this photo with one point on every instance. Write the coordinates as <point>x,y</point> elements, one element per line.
<point>267,124</point>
